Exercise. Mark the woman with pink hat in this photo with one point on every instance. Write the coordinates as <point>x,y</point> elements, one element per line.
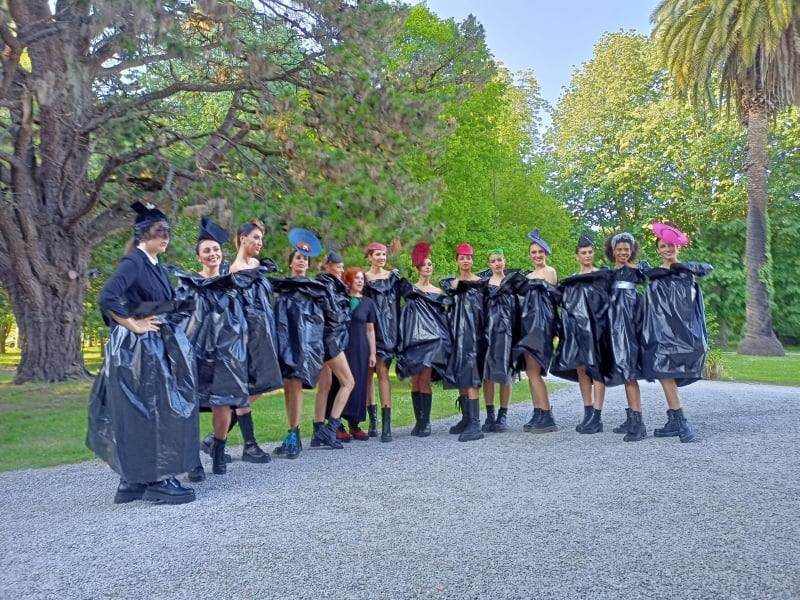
<point>674,338</point>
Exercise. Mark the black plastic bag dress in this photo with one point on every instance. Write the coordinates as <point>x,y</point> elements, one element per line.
<point>385,293</point>
<point>538,323</point>
<point>583,336</point>
<point>217,330</point>
<point>337,315</point>
<point>465,364</point>
<point>143,418</point>
<point>625,325</point>
<point>501,330</point>
<point>674,337</point>
<point>424,332</point>
<point>300,324</point>
<point>255,296</point>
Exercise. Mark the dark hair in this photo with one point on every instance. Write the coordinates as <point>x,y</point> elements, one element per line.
<point>292,254</point>
<point>197,245</point>
<point>142,234</point>
<point>246,229</point>
<point>609,250</point>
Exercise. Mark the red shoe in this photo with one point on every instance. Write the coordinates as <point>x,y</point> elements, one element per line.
<point>359,434</point>
<point>343,436</point>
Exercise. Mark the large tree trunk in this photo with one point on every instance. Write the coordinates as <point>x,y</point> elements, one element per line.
<point>757,337</point>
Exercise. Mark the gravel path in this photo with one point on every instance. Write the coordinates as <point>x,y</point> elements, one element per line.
<point>515,515</point>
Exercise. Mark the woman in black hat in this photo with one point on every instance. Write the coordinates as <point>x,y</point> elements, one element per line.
<point>143,412</point>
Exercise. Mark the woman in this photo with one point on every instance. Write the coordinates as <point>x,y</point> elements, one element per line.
<point>500,331</point>
<point>360,352</point>
<point>465,365</point>
<point>337,319</point>
<point>143,418</point>
<point>538,298</point>
<point>674,338</point>
<point>625,320</point>
<point>383,288</point>
<point>583,353</point>
<point>217,330</point>
<point>424,337</point>
<point>249,275</point>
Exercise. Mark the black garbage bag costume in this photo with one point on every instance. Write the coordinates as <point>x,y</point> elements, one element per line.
<point>300,324</point>
<point>538,323</point>
<point>625,326</point>
<point>217,330</point>
<point>583,336</point>
<point>385,293</point>
<point>501,330</point>
<point>467,315</point>
<point>337,315</point>
<point>143,418</point>
<point>424,332</point>
<point>674,337</point>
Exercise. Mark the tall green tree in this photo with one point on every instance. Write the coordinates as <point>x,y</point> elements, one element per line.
<point>750,49</point>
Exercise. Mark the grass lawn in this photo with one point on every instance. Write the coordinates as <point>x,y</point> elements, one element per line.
<point>762,369</point>
<point>43,425</point>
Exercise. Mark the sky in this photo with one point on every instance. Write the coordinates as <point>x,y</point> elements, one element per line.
<point>549,36</point>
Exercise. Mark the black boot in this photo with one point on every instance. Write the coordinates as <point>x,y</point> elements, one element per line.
<point>251,451</point>
<point>218,464</point>
<point>169,491</point>
<point>316,441</point>
<point>197,474</point>
<point>326,435</point>
<point>587,414</point>
<point>626,424</point>
<point>462,424</point>
<point>636,429</point>
<point>594,424</point>
<point>386,424</point>
<point>291,446</point>
<point>128,492</point>
<point>425,401</point>
<point>670,429</point>
<point>488,425</point>
<point>685,433</point>
<point>472,432</point>
<point>372,412</point>
<point>531,425</point>
<point>205,446</point>
<point>501,424</point>
<point>546,422</point>
<point>416,402</point>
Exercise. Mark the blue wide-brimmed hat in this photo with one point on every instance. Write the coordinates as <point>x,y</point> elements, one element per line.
<point>305,242</point>
<point>533,236</point>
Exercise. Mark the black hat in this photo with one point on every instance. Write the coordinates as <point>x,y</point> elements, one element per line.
<point>584,241</point>
<point>211,231</point>
<point>333,257</point>
<point>147,214</point>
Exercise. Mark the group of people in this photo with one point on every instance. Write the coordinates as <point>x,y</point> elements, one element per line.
<point>229,333</point>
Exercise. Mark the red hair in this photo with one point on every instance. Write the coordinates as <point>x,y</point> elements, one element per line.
<point>350,275</point>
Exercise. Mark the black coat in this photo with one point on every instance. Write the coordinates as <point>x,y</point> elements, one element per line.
<point>135,280</point>
<point>467,315</point>
<point>424,332</point>
<point>538,323</point>
<point>385,293</point>
<point>625,325</point>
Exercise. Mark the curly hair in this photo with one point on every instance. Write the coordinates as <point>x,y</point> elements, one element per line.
<point>616,238</point>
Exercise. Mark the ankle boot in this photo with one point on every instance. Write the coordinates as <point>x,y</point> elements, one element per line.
<point>595,423</point>
<point>251,451</point>
<point>326,435</point>
<point>205,446</point>
<point>626,424</point>
<point>685,433</point>
<point>636,429</point>
<point>462,424</point>
<point>218,464</point>
<point>546,422</point>
<point>488,424</point>
<point>587,414</point>
<point>316,440</point>
<point>372,411</point>
<point>501,424</point>
<point>386,424</point>
<point>670,428</point>
<point>531,425</point>
<point>415,402</point>
<point>425,401</point>
<point>473,431</point>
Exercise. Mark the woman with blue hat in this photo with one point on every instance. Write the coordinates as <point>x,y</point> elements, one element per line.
<point>533,352</point>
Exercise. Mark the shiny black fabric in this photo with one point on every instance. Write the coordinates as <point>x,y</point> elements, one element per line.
<point>337,315</point>
<point>143,418</point>
<point>218,332</point>
<point>385,293</point>
<point>674,337</point>
<point>300,322</point>
<point>255,296</point>
<point>538,323</point>
<point>501,330</point>
<point>583,337</point>
<point>625,326</point>
<point>424,332</point>
<point>465,364</point>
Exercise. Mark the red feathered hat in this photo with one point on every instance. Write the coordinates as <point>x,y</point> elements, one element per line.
<point>464,249</point>
<point>420,252</point>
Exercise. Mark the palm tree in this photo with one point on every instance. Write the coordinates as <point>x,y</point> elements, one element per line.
<point>751,50</point>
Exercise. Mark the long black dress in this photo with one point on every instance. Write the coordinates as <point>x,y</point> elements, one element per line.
<point>385,293</point>
<point>583,339</point>
<point>625,326</point>
<point>143,418</point>
<point>674,337</point>
<point>465,364</point>
<point>501,330</point>
<point>424,332</point>
<point>538,323</point>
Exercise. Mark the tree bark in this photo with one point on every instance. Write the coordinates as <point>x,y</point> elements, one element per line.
<point>758,338</point>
